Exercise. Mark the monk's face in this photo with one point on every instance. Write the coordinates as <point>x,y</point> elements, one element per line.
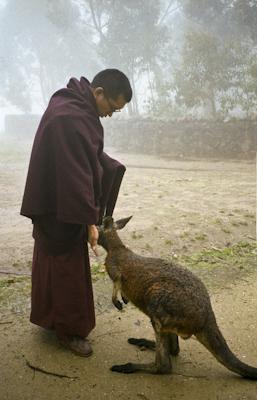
<point>106,106</point>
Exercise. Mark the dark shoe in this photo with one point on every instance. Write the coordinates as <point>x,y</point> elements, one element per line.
<point>77,345</point>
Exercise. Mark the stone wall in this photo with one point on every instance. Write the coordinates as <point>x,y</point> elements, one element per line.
<point>176,139</point>
<point>184,139</point>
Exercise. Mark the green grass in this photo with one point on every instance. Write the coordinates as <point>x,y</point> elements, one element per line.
<point>135,235</point>
<point>226,230</point>
<point>97,270</point>
<point>242,255</point>
<point>15,294</point>
<point>201,236</point>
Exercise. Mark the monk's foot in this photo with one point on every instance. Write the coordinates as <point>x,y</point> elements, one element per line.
<point>78,345</point>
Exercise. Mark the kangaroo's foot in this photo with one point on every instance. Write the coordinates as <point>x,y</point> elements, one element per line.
<point>143,343</point>
<point>162,364</point>
<point>151,345</point>
<point>151,368</point>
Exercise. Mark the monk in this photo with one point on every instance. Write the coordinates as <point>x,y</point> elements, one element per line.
<point>71,184</point>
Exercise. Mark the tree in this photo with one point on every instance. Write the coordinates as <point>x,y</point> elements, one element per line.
<point>129,37</point>
<point>202,74</point>
<point>233,24</point>
<point>235,18</point>
<point>216,65</point>
<point>41,45</point>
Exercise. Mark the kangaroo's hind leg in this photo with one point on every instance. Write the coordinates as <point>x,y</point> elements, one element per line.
<point>162,364</point>
<point>151,345</point>
<point>143,343</point>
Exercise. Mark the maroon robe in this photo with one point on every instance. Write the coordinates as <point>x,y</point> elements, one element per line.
<point>71,183</point>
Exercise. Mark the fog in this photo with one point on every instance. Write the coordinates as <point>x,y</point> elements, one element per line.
<point>185,58</point>
<point>193,60</point>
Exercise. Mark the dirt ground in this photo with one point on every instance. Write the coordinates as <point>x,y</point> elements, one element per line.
<point>201,213</point>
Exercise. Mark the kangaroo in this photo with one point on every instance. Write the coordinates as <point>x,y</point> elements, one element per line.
<point>176,301</point>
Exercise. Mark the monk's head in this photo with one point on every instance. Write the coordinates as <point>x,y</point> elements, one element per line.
<point>111,90</point>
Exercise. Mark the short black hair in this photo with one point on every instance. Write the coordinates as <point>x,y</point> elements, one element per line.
<point>114,83</point>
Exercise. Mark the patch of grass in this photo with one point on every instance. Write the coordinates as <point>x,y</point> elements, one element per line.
<point>237,210</point>
<point>218,221</point>
<point>15,264</point>
<point>249,215</point>
<point>216,265</point>
<point>243,223</point>
<point>184,235</point>
<point>192,223</point>
<point>238,223</point>
<point>226,230</point>
<point>15,294</point>
<point>235,223</point>
<point>135,235</point>
<point>169,242</point>
<point>97,270</point>
<point>201,236</point>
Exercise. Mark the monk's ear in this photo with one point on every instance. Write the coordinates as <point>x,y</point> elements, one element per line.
<point>122,222</point>
<point>107,223</point>
<point>98,92</point>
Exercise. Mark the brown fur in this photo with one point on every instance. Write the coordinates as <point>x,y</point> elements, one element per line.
<point>175,300</point>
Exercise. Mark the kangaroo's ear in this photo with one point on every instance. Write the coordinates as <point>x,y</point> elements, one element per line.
<point>122,222</point>
<point>108,222</point>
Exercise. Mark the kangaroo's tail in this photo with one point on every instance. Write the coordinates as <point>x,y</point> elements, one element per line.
<point>212,339</point>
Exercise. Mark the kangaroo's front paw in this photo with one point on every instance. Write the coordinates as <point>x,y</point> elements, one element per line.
<point>124,368</point>
<point>118,304</point>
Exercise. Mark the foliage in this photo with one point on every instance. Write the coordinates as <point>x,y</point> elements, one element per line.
<point>216,73</point>
<point>224,18</point>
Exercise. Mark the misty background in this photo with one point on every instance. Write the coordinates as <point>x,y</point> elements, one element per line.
<point>187,60</point>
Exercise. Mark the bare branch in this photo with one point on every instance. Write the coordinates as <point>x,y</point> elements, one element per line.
<point>96,19</point>
<point>5,322</point>
<point>14,273</point>
<point>44,371</point>
<point>168,11</point>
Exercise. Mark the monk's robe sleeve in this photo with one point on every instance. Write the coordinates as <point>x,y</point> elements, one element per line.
<point>76,170</point>
<point>112,178</point>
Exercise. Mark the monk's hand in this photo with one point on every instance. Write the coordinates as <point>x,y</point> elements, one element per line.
<point>93,237</point>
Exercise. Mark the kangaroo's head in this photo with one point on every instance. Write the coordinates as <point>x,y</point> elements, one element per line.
<point>108,236</point>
